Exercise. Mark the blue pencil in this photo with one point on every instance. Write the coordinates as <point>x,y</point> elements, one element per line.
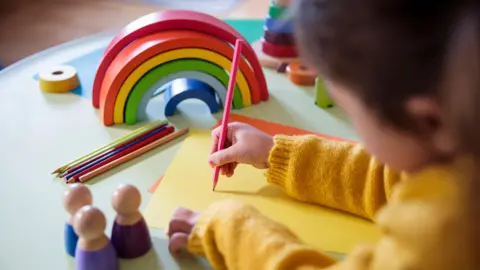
<point>123,148</point>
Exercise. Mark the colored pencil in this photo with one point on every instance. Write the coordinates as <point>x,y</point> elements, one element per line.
<point>108,146</point>
<point>90,164</point>
<point>121,152</point>
<point>228,104</point>
<point>114,144</point>
<point>123,148</point>
<point>93,159</point>
<point>132,155</point>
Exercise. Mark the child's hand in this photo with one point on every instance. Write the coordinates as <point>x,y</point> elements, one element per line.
<point>243,144</point>
<point>181,224</point>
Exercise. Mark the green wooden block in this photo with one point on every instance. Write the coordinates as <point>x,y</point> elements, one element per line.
<point>322,99</point>
<point>275,11</point>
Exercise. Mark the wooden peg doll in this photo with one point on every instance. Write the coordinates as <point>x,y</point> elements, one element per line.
<point>74,198</point>
<point>94,250</point>
<point>130,234</point>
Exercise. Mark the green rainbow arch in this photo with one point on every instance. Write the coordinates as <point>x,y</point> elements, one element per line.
<point>143,90</point>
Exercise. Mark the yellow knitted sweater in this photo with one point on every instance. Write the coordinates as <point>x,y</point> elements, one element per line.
<point>420,225</point>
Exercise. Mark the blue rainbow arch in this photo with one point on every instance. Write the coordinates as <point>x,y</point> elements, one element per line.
<point>182,89</point>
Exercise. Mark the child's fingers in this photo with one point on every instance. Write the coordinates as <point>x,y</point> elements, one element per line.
<point>228,169</point>
<point>224,169</point>
<point>234,166</point>
<point>231,169</point>
<point>216,137</point>
<point>177,225</point>
<point>177,243</point>
<point>228,155</point>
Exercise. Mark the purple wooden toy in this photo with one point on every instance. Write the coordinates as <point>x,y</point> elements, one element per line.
<point>94,250</point>
<point>130,235</point>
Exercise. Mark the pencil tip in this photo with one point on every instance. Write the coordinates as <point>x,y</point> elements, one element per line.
<point>71,180</point>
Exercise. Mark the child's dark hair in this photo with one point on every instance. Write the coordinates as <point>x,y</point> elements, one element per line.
<point>387,51</point>
<point>461,92</point>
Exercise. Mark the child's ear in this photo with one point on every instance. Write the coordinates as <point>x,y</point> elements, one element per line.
<point>430,122</point>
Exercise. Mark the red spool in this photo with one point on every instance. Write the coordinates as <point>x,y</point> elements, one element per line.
<point>283,51</point>
<point>278,38</point>
<point>282,3</point>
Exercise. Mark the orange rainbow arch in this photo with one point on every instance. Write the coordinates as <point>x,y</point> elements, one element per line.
<point>162,46</point>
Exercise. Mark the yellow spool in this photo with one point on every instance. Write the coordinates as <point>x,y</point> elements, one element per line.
<point>59,79</point>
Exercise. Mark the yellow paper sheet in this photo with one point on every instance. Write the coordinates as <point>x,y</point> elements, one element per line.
<point>188,183</point>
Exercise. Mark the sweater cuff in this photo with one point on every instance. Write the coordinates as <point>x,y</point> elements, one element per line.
<point>195,241</point>
<point>203,233</point>
<point>281,155</point>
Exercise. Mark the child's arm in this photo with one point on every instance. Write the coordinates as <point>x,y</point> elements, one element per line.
<point>234,235</point>
<point>413,227</point>
<point>339,175</point>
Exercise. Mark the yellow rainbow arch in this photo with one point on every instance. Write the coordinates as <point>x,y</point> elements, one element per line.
<point>187,53</point>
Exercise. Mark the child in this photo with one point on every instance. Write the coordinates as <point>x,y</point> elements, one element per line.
<point>405,72</point>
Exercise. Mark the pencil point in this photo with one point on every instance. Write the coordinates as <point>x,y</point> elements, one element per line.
<point>58,170</point>
<point>70,181</point>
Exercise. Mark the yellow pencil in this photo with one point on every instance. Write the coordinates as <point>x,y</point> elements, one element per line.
<point>130,156</point>
<point>109,146</point>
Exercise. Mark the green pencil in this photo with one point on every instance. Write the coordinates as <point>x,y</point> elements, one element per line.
<point>109,146</point>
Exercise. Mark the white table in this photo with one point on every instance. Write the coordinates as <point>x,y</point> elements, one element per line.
<point>40,132</point>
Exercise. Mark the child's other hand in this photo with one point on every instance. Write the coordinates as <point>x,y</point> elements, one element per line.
<point>243,144</point>
<point>179,228</point>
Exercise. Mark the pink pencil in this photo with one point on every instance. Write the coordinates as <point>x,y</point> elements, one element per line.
<point>228,104</point>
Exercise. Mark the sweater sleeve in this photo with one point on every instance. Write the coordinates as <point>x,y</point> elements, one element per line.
<point>340,175</point>
<point>234,235</point>
<point>422,227</point>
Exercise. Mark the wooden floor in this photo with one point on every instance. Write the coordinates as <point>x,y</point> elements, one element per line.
<point>29,26</point>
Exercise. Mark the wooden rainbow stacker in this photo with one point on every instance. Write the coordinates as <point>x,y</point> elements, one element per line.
<point>168,45</point>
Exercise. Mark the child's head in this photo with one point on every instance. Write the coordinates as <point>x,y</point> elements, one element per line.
<point>385,64</point>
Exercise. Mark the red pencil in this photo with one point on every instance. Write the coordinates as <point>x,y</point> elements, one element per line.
<point>228,104</point>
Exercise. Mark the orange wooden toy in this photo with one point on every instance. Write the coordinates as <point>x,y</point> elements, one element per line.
<point>301,74</point>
